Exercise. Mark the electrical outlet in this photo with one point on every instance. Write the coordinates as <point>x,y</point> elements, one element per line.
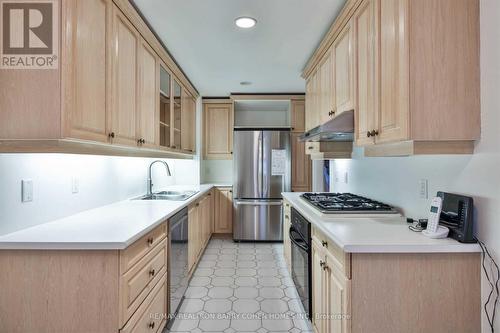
<point>423,189</point>
<point>75,185</point>
<point>26,190</point>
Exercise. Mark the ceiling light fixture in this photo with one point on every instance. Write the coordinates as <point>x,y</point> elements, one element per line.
<point>245,22</point>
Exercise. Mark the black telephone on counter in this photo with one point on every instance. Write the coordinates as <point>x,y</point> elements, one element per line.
<point>456,214</point>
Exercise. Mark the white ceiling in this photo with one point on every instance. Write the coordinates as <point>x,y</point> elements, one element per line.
<point>217,56</point>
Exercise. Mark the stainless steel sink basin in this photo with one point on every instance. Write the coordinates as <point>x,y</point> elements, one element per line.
<point>169,195</point>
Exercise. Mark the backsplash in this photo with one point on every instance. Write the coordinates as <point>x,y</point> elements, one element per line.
<point>101,180</point>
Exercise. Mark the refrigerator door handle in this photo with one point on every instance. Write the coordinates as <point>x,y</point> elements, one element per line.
<point>258,202</point>
<point>260,164</point>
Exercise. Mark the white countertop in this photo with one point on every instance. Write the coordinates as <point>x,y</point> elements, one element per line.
<point>374,235</point>
<point>111,227</point>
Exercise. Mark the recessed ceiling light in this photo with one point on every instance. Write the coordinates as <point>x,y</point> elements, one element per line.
<point>245,22</point>
<point>245,83</point>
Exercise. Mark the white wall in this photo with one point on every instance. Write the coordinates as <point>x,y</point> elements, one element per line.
<point>217,171</point>
<point>102,180</point>
<point>395,180</point>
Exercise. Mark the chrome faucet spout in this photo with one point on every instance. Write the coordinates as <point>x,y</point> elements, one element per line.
<point>150,180</point>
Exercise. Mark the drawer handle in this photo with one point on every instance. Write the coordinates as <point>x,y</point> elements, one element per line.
<point>151,325</point>
<point>152,272</point>
<point>286,217</point>
<point>150,241</point>
<point>325,267</point>
<point>197,204</point>
<point>324,243</point>
<point>322,263</point>
<point>310,147</point>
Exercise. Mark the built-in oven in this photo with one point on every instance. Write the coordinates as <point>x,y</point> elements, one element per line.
<point>300,236</point>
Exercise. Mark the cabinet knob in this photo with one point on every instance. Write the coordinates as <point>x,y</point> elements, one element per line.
<point>150,241</point>
<point>374,133</point>
<point>368,134</point>
<point>310,147</point>
<point>322,263</point>
<point>151,325</point>
<point>174,146</point>
<point>325,267</point>
<point>111,135</point>
<point>324,243</point>
<point>152,272</point>
<point>197,204</point>
<point>143,141</point>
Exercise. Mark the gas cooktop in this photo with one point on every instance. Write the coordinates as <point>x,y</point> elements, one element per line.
<point>346,203</point>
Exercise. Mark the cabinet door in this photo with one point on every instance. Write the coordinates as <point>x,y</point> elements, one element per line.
<point>326,88</point>
<point>218,120</point>
<point>308,105</point>
<point>319,292</point>
<point>223,211</point>
<point>297,116</point>
<point>338,298</point>
<point>343,60</point>
<point>148,112</point>
<point>165,93</point>
<point>364,21</point>
<point>188,123</point>
<point>87,98</point>
<point>301,165</point>
<point>394,71</point>
<point>123,120</point>
<point>176,115</point>
<point>192,235</point>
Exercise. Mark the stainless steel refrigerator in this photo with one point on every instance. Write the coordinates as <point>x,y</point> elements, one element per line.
<point>261,171</point>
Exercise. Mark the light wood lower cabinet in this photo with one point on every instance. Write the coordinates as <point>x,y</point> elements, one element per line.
<point>200,220</point>
<point>392,292</point>
<point>301,165</point>
<point>74,291</point>
<point>223,217</point>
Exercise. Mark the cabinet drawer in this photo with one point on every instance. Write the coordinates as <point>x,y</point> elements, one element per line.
<point>312,147</point>
<point>137,282</point>
<point>137,250</point>
<point>340,259</point>
<point>151,315</point>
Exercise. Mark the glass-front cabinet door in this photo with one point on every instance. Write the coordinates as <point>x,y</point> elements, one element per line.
<point>176,121</point>
<point>165,107</point>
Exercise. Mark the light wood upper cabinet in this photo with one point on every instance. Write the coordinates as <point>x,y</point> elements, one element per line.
<point>365,22</point>
<point>343,71</point>
<point>325,87</point>
<point>223,220</point>
<point>176,115</point>
<point>394,61</point>
<point>125,82</point>
<point>409,69</point>
<point>188,123</point>
<point>301,165</point>
<point>88,87</point>
<point>148,110</point>
<point>297,116</point>
<point>218,130</point>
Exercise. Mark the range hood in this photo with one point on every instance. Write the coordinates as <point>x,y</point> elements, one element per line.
<point>340,128</point>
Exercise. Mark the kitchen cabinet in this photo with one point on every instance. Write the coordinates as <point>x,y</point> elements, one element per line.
<point>343,71</point>
<point>223,219</point>
<point>409,96</point>
<point>188,123</point>
<point>148,110</point>
<point>312,112</point>
<point>297,116</point>
<point>124,109</point>
<point>200,219</point>
<point>218,130</point>
<point>301,165</point>
<point>98,291</point>
<point>325,88</point>
<point>87,96</point>
<point>165,94</point>
<point>365,23</point>
<point>103,97</point>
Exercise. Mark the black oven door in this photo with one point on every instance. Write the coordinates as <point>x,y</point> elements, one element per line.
<point>300,267</point>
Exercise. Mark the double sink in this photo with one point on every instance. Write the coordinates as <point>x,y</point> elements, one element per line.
<point>168,195</point>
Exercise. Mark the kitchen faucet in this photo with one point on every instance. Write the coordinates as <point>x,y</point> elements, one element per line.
<point>150,181</point>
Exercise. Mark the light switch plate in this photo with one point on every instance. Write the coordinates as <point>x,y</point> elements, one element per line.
<point>423,189</point>
<point>27,190</point>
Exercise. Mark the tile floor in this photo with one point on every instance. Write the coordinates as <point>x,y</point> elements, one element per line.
<point>241,287</point>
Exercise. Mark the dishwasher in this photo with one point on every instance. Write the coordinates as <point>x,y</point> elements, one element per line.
<point>178,262</point>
